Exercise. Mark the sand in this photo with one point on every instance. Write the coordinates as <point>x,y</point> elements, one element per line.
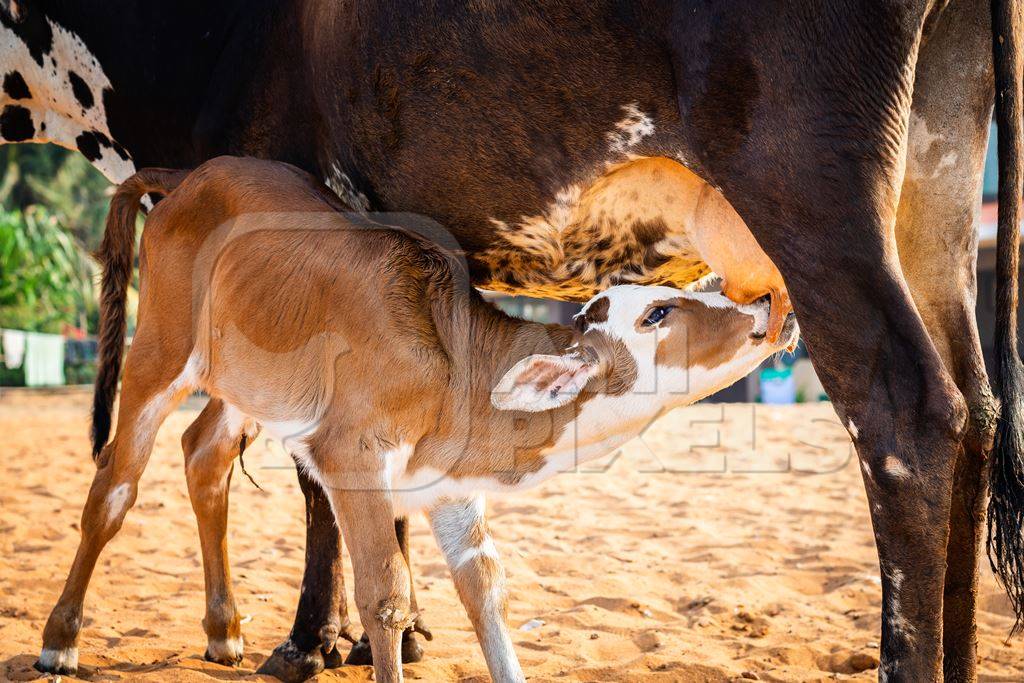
<point>729,542</point>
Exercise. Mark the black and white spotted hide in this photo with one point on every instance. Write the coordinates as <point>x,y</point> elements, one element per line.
<point>52,89</point>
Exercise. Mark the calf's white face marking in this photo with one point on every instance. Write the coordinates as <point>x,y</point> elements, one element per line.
<point>608,419</point>
<point>620,320</point>
<point>670,385</point>
<point>59,98</point>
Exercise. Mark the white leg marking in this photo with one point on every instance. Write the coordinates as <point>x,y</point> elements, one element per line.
<point>157,408</point>
<point>225,649</point>
<point>502,659</point>
<point>895,468</point>
<point>117,501</point>
<point>896,577</point>
<point>899,623</point>
<point>53,660</point>
<point>454,524</point>
<point>485,549</point>
<point>867,469</point>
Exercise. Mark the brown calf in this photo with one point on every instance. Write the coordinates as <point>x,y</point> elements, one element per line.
<point>391,381</point>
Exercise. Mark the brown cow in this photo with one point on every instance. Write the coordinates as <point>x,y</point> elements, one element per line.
<point>849,136</point>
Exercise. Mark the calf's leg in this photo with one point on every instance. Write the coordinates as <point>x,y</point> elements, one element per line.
<point>322,614</point>
<point>361,653</point>
<point>460,528</point>
<point>211,444</point>
<point>358,490</point>
<point>146,400</point>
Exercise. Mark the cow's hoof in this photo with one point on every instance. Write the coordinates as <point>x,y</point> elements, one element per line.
<point>63,662</point>
<point>291,665</point>
<point>411,650</point>
<point>361,655</point>
<point>226,651</point>
<point>333,659</point>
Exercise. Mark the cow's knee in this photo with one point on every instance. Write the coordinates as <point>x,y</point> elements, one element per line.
<point>913,435</point>
<point>983,415</point>
<point>944,412</point>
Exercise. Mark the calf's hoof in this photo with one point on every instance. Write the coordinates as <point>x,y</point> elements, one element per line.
<point>361,655</point>
<point>291,665</point>
<point>63,662</point>
<point>226,651</point>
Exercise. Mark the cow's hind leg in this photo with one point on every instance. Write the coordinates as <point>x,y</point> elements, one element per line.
<point>147,397</point>
<point>211,444</point>
<point>937,239</point>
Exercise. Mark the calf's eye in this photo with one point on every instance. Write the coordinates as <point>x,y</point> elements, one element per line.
<point>656,316</point>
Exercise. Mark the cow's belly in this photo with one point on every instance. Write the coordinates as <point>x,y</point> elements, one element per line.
<point>631,222</point>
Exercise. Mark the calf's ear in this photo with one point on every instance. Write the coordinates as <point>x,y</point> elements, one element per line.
<point>539,383</point>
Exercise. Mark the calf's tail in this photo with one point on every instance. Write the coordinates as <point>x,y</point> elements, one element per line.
<point>1006,474</point>
<point>117,256</point>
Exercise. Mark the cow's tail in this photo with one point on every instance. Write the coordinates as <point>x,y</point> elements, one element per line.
<point>1006,505</point>
<point>117,256</point>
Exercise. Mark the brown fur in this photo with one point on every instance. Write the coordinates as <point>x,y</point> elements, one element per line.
<point>797,110</point>
<point>646,221</point>
<point>286,310</point>
<point>117,253</point>
<point>705,349</point>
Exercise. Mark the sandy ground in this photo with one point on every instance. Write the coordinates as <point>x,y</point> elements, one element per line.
<point>727,542</point>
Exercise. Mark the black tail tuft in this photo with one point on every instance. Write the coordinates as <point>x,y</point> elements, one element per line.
<point>117,255</point>
<point>1006,504</point>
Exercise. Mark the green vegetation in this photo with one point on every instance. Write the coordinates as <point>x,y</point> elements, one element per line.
<point>52,208</point>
